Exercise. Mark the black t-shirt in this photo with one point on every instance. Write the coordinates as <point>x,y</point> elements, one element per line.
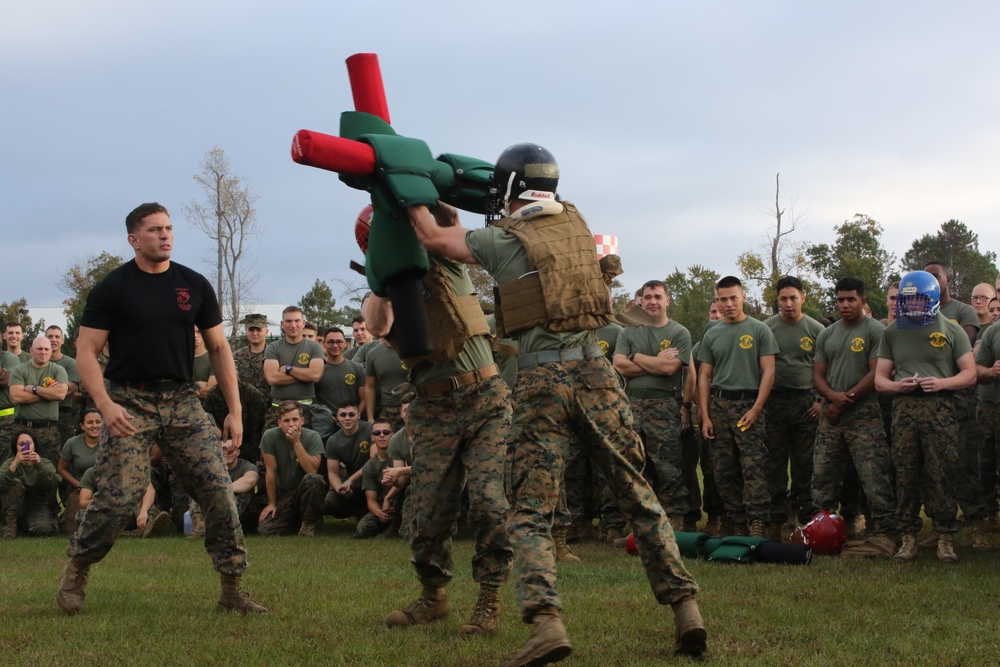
<point>150,320</point>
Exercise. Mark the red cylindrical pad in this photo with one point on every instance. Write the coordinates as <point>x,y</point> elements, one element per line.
<point>324,151</point>
<point>366,84</point>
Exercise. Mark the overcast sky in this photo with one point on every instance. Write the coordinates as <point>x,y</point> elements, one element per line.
<point>669,120</point>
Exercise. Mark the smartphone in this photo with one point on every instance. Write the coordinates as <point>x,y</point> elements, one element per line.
<point>25,447</point>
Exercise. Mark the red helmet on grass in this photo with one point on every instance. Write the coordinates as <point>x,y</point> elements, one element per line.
<point>826,533</point>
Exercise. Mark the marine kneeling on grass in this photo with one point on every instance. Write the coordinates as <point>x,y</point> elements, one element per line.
<point>295,489</point>
<point>28,486</point>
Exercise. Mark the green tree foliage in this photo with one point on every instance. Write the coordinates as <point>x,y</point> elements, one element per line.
<point>17,311</point>
<point>76,284</point>
<point>957,245</point>
<point>319,307</point>
<point>691,295</point>
<point>857,252</point>
<point>483,284</point>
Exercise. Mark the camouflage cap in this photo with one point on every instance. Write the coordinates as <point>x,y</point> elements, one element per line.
<point>255,321</point>
<point>611,267</point>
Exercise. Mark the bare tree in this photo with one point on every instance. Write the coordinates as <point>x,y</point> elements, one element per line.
<point>783,257</point>
<point>227,216</point>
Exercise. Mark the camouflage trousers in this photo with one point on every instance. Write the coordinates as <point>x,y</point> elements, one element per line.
<point>857,437</point>
<point>790,442</point>
<point>658,421</point>
<point>174,420</point>
<point>34,515</point>
<point>6,434</point>
<point>583,489</point>
<point>462,436</point>
<point>370,526</point>
<point>345,507</point>
<point>583,398</point>
<point>967,481</point>
<point>987,431</point>
<point>303,504</point>
<point>924,431</point>
<point>738,461</point>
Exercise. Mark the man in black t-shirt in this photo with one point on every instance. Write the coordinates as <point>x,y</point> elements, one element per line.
<point>146,310</point>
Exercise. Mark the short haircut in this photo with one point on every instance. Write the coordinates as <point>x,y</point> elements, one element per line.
<point>850,284</point>
<point>310,325</point>
<point>940,262</point>
<point>358,320</point>
<point>729,281</point>
<point>11,324</point>
<point>789,281</point>
<point>290,309</point>
<point>54,326</point>
<point>652,284</point>
<point>894,285</point>
<point>287,406</point>
<point>408,398</point>
<point>133,219</point>
<point>380,420</point>
<point>334,330</point>
<point>347,403</point>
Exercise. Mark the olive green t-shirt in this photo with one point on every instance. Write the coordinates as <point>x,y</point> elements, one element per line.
<point>401,447</point>
<point>8,362</point>
<point>202,368</point>
<point>340,382</point>
<point>359,353</point>
<point>652,340</point>
<point>476,352</point>
<point>960,313</point>
<point>88,480</point>
<point>504,257</point>
<point>371,476</point>
<point>26,374</point>
<point>793,366</point>
<point>987,354</point>
<point>351,450</point>
<point>931,351</point>
<point>72,375</point>
<point>79,454</point>
<point>298,355</point>
<point>389,371</point>
<point>848,350</point>
<point>607,338</point>
<point>734,351</point>
<point>290,473</point>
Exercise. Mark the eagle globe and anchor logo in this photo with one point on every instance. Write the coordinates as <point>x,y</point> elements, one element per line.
<point>938,339</point>
<point>746,341</point>
<point>858,345</point>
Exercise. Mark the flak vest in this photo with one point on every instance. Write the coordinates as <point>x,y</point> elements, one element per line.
<point>566,292</point>
<point>451,318</point>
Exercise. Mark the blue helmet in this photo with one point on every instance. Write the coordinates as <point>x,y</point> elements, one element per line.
<point>919,300</point>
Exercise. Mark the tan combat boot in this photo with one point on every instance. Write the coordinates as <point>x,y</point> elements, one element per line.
<point>980,537</point>
<point>197,522</point>
<point>72,587</point>
<point>430,606</point>
<point>563,552</point>
<point>690,629</point>
<point>946,550</point>
<point>486,616</point>
<point>548,641</point>
<point>10,526</point>
<point>758,528</point>
<point>234,598</point>
<point>908,550</point>
<point>613,535</point>
<point>159,526</point>
<point>713,527</point>
<point>929,542</point>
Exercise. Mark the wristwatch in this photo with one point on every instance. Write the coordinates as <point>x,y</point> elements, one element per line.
<point>34,389</point>
<point>631,357</point>
<point>288,369</point>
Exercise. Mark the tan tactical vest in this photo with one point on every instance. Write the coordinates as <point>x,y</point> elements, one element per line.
<point>452,319</point>
<point>567,293</point>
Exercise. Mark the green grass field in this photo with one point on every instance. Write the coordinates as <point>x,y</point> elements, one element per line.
<point>152,602</point>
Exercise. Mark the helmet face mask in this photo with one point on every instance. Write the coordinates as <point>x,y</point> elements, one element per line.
<point>919,300</point>
<point>524,171</point>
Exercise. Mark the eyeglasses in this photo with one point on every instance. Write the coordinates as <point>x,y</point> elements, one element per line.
<point>385,432</point>
<point>981,298</point>
<point>347,414</point>
<point>336,342</point>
